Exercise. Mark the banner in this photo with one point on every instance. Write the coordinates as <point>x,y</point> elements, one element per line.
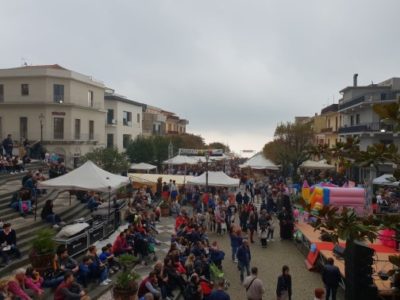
<point>201,152</point>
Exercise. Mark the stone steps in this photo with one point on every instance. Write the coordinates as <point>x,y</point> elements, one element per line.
<point>26,233</point>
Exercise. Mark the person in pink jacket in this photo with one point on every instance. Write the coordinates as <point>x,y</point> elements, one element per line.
<point>23,288</point>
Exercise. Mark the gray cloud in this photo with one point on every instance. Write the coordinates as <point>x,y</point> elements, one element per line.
<point>233,68</point>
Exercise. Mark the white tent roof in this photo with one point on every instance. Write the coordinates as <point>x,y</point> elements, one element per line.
<point>87,177</point>
<point>259,162</point>
<point>152,178</point>
<point>181,160</point>
<point>386,179</point>
<point>318,165</point>
<point>142,166</point>
<point>214,179</point>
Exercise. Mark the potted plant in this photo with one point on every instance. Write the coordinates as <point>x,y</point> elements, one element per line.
<point>165,208</point>
<point>43,250</point>
<point>122,193</point>
<point>126,285</point>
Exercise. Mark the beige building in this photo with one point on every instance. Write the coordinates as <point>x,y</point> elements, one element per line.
<point>329,132</point>
<point>153,121</point>
<point>174,124</point>
<point>124,120</point>
<point>63,108</point>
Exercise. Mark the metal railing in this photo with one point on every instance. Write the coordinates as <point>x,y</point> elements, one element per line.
<point>367,127</point>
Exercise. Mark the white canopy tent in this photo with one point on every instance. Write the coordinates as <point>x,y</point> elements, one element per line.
<point>386,179</point>
<point>214,179</point>
<point>88,177</point>
<point>316,165</point>
<point>142,166</point>
<point>152,178</point>
<point>259,162</point>
<point>181,160</point>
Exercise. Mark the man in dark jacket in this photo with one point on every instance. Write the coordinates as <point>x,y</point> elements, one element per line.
<point>8,243</point>
<point>8,145</point>
<point>244,257</point>
<point>331,278</point>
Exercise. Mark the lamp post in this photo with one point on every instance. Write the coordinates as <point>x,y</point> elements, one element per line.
<point>207,158</point>
<point>170,154</point>
<point>41,120</point>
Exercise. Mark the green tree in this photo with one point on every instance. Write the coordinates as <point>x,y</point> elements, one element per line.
<point>377,154</point>
<point>219,145</point>
<point>389,113</point>
<point>141,150</point>
<point>290,145</point>
<point>160,148</point>
<point>108,159</point>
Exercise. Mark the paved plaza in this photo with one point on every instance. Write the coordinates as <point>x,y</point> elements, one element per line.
<point>269,262</point>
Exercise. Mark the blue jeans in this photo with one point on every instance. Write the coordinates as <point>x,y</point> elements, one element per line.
<point>234,250</point>
<point>243,266</point>
<point>53,219</point>
<point>53,282</point>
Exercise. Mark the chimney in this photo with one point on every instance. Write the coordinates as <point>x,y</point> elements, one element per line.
<point>355,79</point>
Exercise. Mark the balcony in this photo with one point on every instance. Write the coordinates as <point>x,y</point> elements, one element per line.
<point>372,97</point>
<point>368,127</point>
<point>327,130</point>
<point>88,139</point>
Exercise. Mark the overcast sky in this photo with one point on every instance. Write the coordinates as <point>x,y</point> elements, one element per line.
<point>234,69</point>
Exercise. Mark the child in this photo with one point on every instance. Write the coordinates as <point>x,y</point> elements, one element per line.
<point>263,236</point>
<point>271,227</point>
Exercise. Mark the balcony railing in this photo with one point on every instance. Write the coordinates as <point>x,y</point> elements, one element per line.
<point>326,130</point>
<point>375,97</point>
<point>369,127</point>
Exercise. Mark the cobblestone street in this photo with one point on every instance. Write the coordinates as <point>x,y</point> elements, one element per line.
<point>269,262</point>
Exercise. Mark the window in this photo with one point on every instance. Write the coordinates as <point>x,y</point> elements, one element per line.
<point>24,89</point>
<point>58,128</point>
<point>357,119</point>
<point>126,138</point>
<point>23,128</point>
<point>138,118</point>
<point>336,123</point>
<point>91,130</point>
<point>351,120</point>
<point>1,93</point>
<point>383,96</point>
<point>169,127</point>
<point>90,98</point>
<point>77,129</point>
<point>110,116</point>
<point>110,140</point>
<point>127,118</point>
<point>58,93</point>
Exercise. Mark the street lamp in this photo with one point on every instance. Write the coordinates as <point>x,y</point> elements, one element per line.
<point>207,157</point>
<point>41,119</point>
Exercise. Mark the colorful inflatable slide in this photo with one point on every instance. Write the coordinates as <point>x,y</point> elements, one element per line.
<point>329,194</point>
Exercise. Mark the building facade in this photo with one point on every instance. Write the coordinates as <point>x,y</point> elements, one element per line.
<point>154,121</point>
<point>62,108</point>
<point>358,117</point>
<point>124,120</point>
<point>174,124</point>
<point>328,131</point>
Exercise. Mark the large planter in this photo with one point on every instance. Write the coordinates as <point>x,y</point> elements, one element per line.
<point>41,262</point>
<point>122,294</point>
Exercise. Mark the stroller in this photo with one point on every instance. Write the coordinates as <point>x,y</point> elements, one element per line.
<point>217,274</point>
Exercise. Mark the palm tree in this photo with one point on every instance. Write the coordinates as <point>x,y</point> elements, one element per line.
<point>345,153</point>
<point>390,113</point>
<point>377,154</point>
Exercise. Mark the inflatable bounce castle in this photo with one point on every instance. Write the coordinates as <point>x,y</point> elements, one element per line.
<point>329,194</point>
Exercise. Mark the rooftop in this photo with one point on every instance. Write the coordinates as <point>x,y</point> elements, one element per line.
<point>54,70</point>
<point>121,98</point>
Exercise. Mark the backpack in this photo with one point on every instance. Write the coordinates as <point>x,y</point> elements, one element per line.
<point>189,292</point>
